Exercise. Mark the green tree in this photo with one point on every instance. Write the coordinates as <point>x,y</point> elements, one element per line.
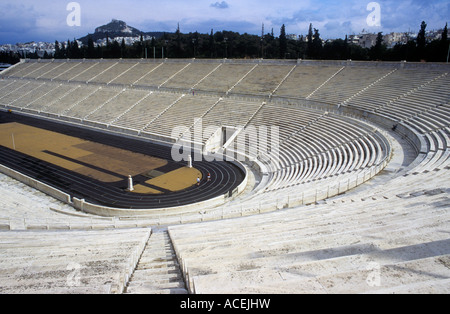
<point>177,50</point>
<point>444,44</point>
<point>335,50</point>
<point>90,52</point>
<point>57,50</point>
<point>68,53</point>
<point>283,42</point>
<point>99,52</point>
<point>271,48</point>
<point>123,49</point>
<point>346,52</point>
<point>309,38</point>
<point>444,37</point>
<point>212,45</point>
<point>317,45</point>
<point>75,50</point>
<point>377,52</point>
<point>115,50</point>
<point>9,57</point>
<point>421,41</point>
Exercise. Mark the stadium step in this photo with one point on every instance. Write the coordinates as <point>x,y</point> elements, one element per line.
<point>158,271</point>
<point>283,80</point>
<point>324,83</point>
<point>238,82</point>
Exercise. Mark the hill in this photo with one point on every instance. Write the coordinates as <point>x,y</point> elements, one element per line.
<point>117,28</point>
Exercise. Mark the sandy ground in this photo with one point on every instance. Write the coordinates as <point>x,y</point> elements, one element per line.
<point>173,181</point>
<point>101,162</point>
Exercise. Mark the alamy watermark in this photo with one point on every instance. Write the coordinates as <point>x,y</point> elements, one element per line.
<point>228,144</point>
<point>374,18</point>
<point>374,277</point>
<point>74,17</point>
<point>74,277</point>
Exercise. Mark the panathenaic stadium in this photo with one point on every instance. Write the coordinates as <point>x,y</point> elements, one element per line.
<point>325,177</point>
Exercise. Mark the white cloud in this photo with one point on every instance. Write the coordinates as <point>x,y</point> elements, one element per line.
<point>220,5</point>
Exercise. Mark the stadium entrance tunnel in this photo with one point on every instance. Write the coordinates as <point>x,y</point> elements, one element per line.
<point>94,167</point>
<point>221,139</point>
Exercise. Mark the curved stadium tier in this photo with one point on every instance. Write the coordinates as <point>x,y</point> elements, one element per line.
<point>345,190</point>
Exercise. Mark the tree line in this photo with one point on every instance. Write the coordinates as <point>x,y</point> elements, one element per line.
<point>232,45</point>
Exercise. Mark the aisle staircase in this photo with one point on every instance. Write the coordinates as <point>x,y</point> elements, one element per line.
<point>158,271</point>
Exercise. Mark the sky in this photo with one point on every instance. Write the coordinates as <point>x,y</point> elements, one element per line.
<point>47,20</point>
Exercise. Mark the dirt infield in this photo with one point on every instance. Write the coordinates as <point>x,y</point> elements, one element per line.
<point>173,181</point>
<point>85,141</point>
<point>97,161</point>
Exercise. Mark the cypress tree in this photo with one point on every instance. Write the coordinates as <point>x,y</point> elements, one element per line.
<point>309,47</point>
<point>123,49</point>
<point>212,45</point>
<point>57,50</point>
<point>90,49</point>
<point>444,44</point>
<point>317,45</point>
<point>421,41</point>
<point>283,42</point>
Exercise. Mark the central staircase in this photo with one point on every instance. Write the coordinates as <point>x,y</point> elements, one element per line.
<point>158,271</point>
